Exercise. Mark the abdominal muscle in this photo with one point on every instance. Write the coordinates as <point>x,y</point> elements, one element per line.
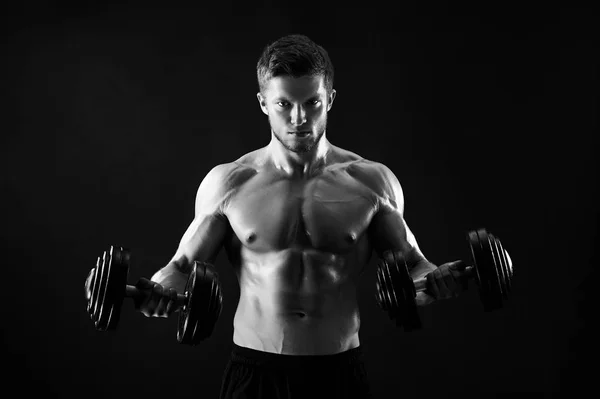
<point>297,302</point>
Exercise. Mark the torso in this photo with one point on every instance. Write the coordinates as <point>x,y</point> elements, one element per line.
<point>298,247</point>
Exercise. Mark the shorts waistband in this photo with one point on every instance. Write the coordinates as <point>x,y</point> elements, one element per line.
<point>240,354</point>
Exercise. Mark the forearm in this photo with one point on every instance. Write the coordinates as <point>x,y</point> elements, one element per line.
<point>172,276</point>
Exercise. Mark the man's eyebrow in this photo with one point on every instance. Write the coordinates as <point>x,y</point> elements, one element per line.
<point>313,97</point>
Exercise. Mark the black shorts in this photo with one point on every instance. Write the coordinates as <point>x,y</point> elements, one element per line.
<point>251,374</point>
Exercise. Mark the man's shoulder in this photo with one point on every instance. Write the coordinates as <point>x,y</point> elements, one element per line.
<point>226,177</point>
<point>375,175</point>
<point>229,175</point>
<point>371,171</point>
<point>220,184</point>
<point>345,156</point>
<point>358,162</point>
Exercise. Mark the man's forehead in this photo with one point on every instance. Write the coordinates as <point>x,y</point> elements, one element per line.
<point>300,88</point>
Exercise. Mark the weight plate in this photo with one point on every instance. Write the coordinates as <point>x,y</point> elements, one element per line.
<point>93,299</point>
<point>509,265</point>
<point>507,271</point>
<point>106,299</point>
<point>396,292</point>
<point>497,265</point>
<point>186,321</point>
<point>211,305</point>
<point>478,259</point>
<point>386,294</point>
<point>201,304</point>
<point>411,317</point>
<point>100,286</point>
<point>118,282</point>
<point>217,301</point>
<point>379,296</point>
<point>382,296</point>
<point>491,271</point>
<point>89,283</point>
<point>112,288</point>
<point>501,266</point>
<point>396,297</point>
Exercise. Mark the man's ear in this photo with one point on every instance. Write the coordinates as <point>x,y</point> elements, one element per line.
<point>263,103</point>
<point>330,99</point>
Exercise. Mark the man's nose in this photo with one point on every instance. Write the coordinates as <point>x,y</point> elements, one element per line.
<point>298,116</point>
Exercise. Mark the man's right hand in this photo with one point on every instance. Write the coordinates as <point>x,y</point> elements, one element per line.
<point>155,301</point>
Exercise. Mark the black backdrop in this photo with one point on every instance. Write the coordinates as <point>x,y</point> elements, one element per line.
<point>116,113</point>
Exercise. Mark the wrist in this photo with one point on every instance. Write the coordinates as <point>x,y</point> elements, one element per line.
<point>422,268</point>
<point>171,276</point>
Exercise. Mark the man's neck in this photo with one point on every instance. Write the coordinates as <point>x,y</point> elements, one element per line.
<point>303,164</point>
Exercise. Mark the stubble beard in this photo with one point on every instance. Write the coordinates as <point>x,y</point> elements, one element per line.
<point>302,147</point>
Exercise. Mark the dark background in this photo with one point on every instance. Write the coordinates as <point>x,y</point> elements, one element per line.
<point>113,114</point>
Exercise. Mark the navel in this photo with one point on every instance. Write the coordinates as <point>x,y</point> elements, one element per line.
<point>251,238</point>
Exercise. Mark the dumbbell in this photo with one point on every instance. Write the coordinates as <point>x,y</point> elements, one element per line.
<point>199,306</point>
<point>491,267</point>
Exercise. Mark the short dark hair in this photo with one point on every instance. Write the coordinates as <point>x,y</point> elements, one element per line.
<point>294,56</point>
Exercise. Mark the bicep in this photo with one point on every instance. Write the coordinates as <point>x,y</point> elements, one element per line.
<point>388,229</point>
<point>204,237</point>
<point>202,240</point>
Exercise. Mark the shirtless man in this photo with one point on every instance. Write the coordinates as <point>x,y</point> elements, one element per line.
<point>299,220</point>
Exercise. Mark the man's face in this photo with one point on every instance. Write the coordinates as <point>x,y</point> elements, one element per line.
<point>297,110</point>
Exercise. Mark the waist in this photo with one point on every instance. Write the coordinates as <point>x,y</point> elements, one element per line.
<point>276,302</point>
<point>253,357</point>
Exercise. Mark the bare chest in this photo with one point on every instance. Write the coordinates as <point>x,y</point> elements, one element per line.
<point>329,212</point>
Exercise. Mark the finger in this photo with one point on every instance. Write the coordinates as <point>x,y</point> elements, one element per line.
<point>444,283</point>
<point>144,287</point>
<point>440,276</point>
<point>461,273</point>
<point>166,301</point>
<point>144,284</point>
<point>172,301</point>
<point>150,300</point>
<point>432,285</point>
<point>457,265</point>
<point>450,280</point>
<point>462,277</point>
<point>155,299</point>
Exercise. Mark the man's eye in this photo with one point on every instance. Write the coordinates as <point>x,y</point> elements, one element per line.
<point>282,104</point>
<point>315,102</point>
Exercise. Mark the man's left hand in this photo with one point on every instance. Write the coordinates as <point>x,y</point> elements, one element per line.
<point>448,280</point>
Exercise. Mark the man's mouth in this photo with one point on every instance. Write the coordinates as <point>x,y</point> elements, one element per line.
<point>301,134</point>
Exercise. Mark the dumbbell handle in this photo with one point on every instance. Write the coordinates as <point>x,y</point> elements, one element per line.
<point>132,291</point>
<point>421,284</point>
